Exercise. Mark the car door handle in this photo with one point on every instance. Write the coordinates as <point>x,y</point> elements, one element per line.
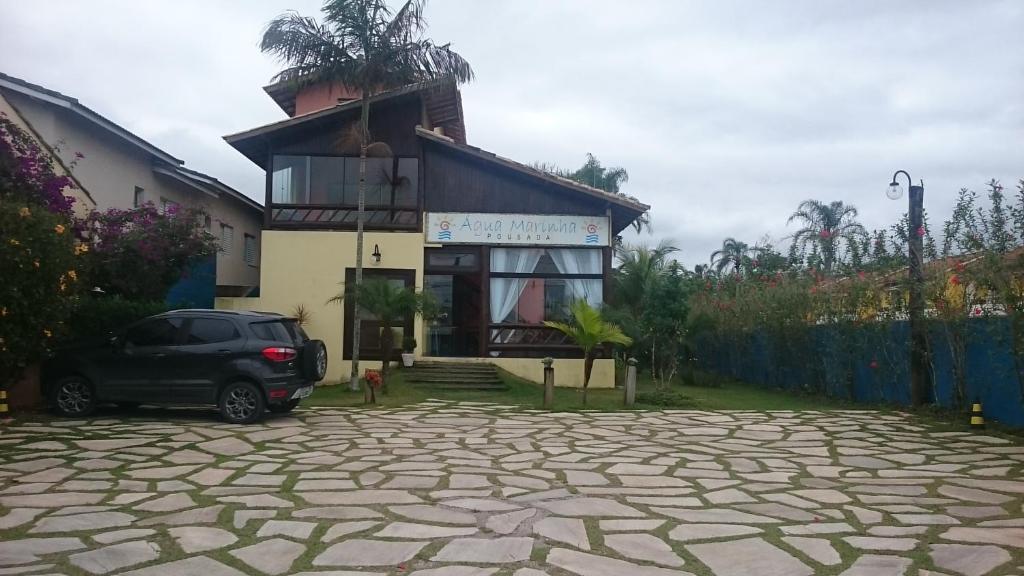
<point>223,352</point>
<point>158,355</point>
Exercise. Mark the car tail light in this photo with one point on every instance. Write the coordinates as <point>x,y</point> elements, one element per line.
<point>278,393</point>
<point>276,354</point>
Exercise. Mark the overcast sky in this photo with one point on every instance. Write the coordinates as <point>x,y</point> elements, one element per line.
<point>726,114</point>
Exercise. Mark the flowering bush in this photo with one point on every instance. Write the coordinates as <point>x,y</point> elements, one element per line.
<point>29,172</point>
<point>39,255</point>
<point>140,253</point>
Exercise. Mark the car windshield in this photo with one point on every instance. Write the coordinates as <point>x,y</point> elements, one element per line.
<point>280,330</point>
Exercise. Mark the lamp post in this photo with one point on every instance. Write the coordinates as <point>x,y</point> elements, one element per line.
<point>920,380</point>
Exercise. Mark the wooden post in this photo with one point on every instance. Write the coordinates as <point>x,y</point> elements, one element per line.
<point>630,396</point>
<point>549,382</point>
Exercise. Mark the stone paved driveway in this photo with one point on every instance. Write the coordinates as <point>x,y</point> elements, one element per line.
<point>470,489</point>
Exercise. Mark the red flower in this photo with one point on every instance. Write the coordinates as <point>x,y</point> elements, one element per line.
<point>861,275</point>
<point>374,378</point>
<point>960,266</point>
<point>920,231</point>
<point>825,234</point>
<point>954,280</point>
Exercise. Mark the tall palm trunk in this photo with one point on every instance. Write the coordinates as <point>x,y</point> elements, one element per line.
<point>364,136</point>
<point>387,344</point>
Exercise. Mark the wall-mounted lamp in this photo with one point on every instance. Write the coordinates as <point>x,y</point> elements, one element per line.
<point>376,254</point>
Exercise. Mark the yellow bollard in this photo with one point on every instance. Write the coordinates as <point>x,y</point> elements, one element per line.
<point>977,416</point>
<point>3,402</point>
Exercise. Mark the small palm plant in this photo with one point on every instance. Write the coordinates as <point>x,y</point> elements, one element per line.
<point>389,304</point>
<point>589,330</point>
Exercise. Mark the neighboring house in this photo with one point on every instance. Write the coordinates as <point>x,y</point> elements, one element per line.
<point>502,246</point>
<point>83,201</point>
<point>121,170</point>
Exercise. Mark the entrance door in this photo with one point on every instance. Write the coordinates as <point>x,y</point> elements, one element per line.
<point>452,275</point>
<point>456,330</point>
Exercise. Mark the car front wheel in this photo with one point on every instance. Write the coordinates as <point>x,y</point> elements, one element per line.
<point>241,403</point>
<point>74,397</point>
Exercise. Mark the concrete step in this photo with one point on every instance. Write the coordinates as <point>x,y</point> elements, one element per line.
<point>454,376</point>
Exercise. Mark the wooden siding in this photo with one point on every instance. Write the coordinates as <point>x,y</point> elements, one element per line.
<point>455,182</point>
<point>393,124</point>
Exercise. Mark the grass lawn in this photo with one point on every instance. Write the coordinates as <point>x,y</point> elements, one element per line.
<point>726,396</point>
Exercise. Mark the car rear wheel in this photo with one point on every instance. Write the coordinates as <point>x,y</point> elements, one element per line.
<point>241,403</point>
<point>74,396</point>
<point>283,407</point>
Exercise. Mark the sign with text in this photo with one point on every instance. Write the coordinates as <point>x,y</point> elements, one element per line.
<point>539,229</point>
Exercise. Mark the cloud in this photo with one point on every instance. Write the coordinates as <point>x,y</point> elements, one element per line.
<point>726,114</point>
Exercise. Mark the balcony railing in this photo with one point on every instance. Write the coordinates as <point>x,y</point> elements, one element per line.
<point>332,216</point>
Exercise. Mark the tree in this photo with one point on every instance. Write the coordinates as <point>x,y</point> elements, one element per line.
<point>589,330</point>
<point>825,226</point>
<point>734,255</point>
<point>366,45</point>
<point>389,304</point>
<point>139,254</point>
<point>39,255</point>
<point>639,267</point>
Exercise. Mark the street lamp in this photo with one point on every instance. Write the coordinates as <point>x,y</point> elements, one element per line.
<point>920,380</point>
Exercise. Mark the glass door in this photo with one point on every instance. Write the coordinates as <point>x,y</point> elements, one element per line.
<point>440,330</point>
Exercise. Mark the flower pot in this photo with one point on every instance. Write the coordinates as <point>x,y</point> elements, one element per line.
<point>407,359</point>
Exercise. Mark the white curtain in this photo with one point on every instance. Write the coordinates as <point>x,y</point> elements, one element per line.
<point>580,261</point>
<point>505,292</point>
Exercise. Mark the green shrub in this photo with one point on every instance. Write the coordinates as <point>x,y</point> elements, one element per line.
<point>664,397</point>
<point>95,318</point>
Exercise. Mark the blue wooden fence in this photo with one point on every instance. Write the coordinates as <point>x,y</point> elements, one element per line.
<point>197,288</point>
<point>871,364</point>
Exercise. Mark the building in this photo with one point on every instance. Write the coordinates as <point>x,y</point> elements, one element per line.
<point>83,201</point>
<point>502,246</point>
<point>121,170</point>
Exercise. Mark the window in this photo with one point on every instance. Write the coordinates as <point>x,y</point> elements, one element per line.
<point>158,332</point>
<point>280,331</point>
<point>227,238</point>
<point>371,327</point>
<point>211,331</point>
<point>168,207</point>
<point>139,197</point>
<point>207,224</point>
<point>250,250</point>
<point>531,285</point>
<point>334,180</point>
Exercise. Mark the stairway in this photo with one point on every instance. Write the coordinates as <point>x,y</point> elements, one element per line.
<point>437,375</point>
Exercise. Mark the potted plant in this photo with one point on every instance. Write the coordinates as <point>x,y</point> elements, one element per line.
<point>408,346</point>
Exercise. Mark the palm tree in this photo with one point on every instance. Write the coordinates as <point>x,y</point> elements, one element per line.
<point>824,226</point>
<point>366,45</point>
<point>389,304</point>
<point>734,255</point>
<point>596,175</point>
<point>588,330</point>
<point>639,266</point>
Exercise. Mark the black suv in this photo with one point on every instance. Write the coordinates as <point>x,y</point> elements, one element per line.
<point>242,362</point>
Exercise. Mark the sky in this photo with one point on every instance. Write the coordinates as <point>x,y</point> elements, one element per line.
<point>726,114</point>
